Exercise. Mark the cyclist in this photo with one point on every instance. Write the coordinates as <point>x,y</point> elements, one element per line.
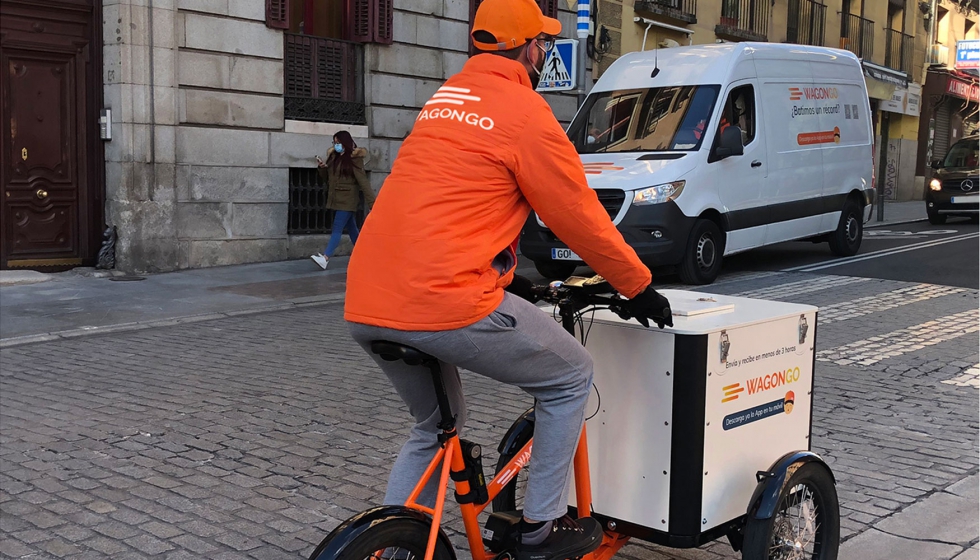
<point>439,248</point>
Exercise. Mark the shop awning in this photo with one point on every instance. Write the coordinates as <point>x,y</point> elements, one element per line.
<point>882,82</point>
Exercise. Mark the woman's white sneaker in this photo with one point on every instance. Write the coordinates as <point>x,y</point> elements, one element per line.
<point>320,260</point>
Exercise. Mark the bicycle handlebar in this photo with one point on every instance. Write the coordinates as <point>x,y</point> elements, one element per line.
<point>575,294</point>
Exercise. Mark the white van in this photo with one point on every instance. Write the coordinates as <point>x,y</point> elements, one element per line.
<point>703,151</point>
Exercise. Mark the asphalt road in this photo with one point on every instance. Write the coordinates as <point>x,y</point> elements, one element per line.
<point>916,252</point>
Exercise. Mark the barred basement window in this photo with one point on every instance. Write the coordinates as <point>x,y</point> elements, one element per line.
<point>308,212</point>
<point>307,202</point>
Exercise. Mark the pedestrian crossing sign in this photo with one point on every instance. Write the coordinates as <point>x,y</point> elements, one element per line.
<point>560,67</point>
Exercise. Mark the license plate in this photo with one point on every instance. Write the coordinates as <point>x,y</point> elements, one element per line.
<point>965,199</point>
<point>564,255</point>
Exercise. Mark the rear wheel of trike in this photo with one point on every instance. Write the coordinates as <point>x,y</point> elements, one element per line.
<point>805,525</point>
<point>394,539</point>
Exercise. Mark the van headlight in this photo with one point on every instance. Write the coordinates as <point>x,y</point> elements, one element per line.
<point>658,194</point>
<point>935,185</point>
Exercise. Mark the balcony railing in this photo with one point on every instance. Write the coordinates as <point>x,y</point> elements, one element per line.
<point>324,79</point>
<point>744,19</point>
<point>898,53</point>
<point>681,10</point>
<point>857,35</point>
<point>805,25</point>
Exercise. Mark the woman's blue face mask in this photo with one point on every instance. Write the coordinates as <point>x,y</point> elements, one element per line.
<point>339,148</point>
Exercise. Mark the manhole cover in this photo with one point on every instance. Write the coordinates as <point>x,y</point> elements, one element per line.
<point>127,278</point>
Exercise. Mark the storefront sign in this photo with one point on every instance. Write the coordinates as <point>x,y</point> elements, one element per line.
<point>913,100</point>
<point>904,101</point>
<point>967,55</point>
<point>897,102</point>
<point>963,89</point>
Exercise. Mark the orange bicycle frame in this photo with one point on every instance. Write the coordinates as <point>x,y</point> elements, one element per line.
<point>450,458</point>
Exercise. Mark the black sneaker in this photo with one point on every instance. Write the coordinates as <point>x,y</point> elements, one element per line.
<point>569,538</point>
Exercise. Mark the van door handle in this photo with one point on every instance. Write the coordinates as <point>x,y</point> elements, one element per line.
<point>756,163</point>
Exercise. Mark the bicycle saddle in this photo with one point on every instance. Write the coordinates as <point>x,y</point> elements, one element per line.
<point>392,351</point>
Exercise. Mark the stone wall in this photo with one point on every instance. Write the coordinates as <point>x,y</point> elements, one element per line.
<point>198,166</point>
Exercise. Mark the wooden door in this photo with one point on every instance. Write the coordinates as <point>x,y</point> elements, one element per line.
<point>47,209</point>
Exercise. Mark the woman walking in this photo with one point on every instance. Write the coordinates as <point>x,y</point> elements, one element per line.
<point>344,174</point>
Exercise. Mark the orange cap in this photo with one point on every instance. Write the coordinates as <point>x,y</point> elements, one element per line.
<point>512,23</point>
<point>790,397</point>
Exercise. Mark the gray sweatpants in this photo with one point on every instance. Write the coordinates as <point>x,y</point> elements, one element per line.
<point>517,344</point>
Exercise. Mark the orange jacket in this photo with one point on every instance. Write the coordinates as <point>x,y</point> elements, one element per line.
<point>438,248</point>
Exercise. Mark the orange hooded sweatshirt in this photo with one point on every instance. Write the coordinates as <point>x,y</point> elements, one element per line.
<point>439,245</point>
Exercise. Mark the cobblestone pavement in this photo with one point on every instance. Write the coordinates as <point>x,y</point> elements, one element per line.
<point>251,437</point>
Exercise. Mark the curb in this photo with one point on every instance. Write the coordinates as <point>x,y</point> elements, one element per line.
<point>168,322</point>
<point>900,222</point>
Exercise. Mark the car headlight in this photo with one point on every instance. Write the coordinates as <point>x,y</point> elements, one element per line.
<point>935,185</point>
<point>658,194</point>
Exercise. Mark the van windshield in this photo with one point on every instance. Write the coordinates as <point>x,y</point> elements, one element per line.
<point>667,119</point>
<point>963,154</point>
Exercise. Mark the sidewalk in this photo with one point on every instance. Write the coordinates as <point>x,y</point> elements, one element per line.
<point>899,213</point>
<point>939,526</point>
<point>83,301</point>
<point>36,307</point>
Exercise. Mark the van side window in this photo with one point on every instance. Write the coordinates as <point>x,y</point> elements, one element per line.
<point>739,110</point>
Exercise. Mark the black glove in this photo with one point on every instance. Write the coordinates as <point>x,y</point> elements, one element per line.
<point>523,288</point>
<point>650,305</point>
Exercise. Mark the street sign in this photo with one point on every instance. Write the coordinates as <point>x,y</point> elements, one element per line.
<point>967,55</point>
<point>559,68</point>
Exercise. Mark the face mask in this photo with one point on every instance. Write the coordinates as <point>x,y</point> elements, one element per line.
<point>590,140</point>
<point>339,148</point>
<point>536,77</point>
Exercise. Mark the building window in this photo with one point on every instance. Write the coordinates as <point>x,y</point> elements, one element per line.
<point>308,212</point>
<point>744,20</point>
<point>323,55</point>
<point>361,21</point>
<point>805,23</point>
<point>324,79</point>
<point>680,10</point>
<point>898,50</point>
<point>857,34</point>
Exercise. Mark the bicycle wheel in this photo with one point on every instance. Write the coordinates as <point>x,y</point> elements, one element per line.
<point>394,539</point>
<point>805,526</point>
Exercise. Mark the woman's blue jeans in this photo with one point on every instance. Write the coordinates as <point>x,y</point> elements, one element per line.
<point>341,219</point>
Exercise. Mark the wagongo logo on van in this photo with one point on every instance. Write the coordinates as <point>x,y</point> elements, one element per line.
<point>796,94</point>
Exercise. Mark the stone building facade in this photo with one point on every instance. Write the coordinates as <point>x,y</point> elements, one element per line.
<point>215,110</point>
<point>205,158</point>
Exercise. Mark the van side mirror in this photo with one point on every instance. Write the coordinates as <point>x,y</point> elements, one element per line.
<point>936,164</point>
<point>730,143</point>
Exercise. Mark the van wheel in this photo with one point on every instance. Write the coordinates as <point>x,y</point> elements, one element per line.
<point>935,218</point>
<point>702,260</point>
<point>847,239</point>
<point>555,270</point>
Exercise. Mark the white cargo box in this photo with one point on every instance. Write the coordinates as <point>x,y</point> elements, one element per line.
<point>682,419</point>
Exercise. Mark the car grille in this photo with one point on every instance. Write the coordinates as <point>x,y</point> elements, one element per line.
<point>956,185</point>
<point>612,200</point>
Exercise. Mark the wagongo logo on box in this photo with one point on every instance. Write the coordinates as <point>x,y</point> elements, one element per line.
<point>761,383</point>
